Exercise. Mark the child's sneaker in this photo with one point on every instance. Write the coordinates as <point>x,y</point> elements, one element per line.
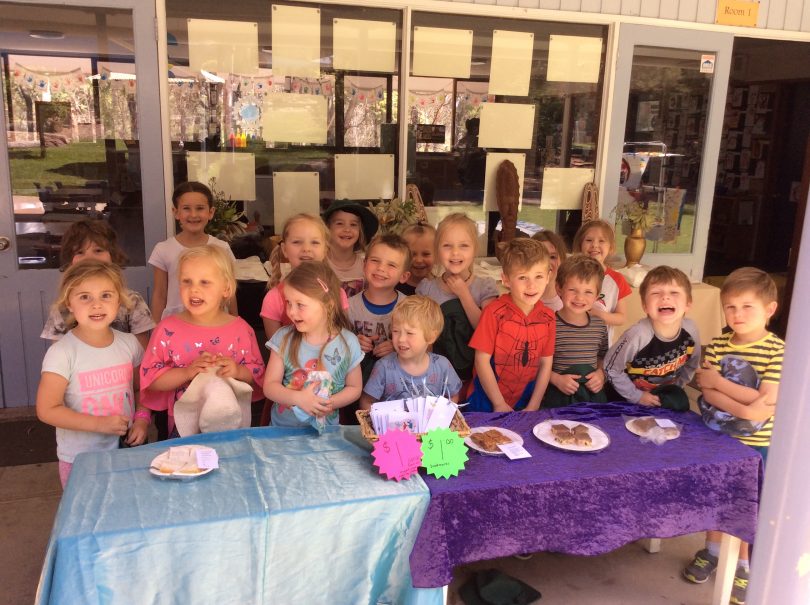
<point>701,568</point>
<point>740,587</point>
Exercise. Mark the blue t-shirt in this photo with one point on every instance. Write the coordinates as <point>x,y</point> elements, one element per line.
<point>341,355</point>
<point>389,381</point>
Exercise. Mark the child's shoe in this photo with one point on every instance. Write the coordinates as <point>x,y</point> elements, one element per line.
<point>740,587</point>
<point>701,568</point>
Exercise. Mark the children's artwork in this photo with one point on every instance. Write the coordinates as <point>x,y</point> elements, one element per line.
<point>444,453</point>
<point>397,454</point>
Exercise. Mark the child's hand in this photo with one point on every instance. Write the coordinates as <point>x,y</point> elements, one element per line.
<point>112,425</point>
<point>596,381</point>
<point>566,383</point>
<point>707,377</point>
<point>383,349</point>
<point>227,366</point>
<point>649,400</point>
<point>501,407</point>
<point>456,284</point>
<point>366,343</point>
<point>200,365</point>
<point>308,401</point>
<point>137,432</point>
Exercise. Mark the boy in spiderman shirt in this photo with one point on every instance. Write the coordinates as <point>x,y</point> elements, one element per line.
<point>514,340</point>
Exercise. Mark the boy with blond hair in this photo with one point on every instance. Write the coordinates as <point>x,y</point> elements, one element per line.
<point>514,340</point>
<point>740,383</point>
<point>655,358</point>
<point>411,370</point>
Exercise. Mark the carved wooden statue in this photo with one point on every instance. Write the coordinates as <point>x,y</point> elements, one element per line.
<point>507,195</point>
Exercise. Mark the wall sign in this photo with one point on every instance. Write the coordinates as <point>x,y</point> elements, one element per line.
<point>737,12</point>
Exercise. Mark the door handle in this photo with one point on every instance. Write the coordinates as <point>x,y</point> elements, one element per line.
<point>5,244</point>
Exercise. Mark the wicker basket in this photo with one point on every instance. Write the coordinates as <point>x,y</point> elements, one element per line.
<point>459,425</point>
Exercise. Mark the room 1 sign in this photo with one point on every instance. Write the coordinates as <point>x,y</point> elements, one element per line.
<point>737,12</point>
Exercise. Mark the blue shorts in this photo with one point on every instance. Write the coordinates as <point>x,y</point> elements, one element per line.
<point>479,402</point>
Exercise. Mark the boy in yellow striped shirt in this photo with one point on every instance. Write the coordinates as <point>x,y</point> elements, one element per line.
<point>740,383</point>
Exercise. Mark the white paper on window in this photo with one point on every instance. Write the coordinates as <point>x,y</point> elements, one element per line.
<point>294,192</point>
<point>223,47</point>
<point>574,59</point>
<point>562,187</point>
<point>294,118</point>
<point>364,45</point>
<point>511,63</point>
<point>494,160</point>
<point>443,53</point>
<point>235,172</point>
<point>364,176</point>
<point>296,41</point>
<point>506,126</point>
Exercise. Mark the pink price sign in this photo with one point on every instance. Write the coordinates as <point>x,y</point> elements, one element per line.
<point>397,454</point>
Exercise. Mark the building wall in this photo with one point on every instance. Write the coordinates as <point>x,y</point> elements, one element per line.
<point>788,15</point>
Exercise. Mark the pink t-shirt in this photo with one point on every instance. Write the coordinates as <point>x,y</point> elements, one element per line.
<point>274,307</point>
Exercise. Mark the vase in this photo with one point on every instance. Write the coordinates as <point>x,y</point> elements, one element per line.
<point>634,246</point>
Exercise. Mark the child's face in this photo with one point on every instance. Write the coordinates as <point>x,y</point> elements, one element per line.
<point>384,268</point>
<point>553,259</point>
<point>203,290</point>
<point>577,295</point>
<point>456,250</point>
<point>345,229</point>
<point>304,241</point>
<point>193,212</point>
<point>421,247</point>
<point>666,303</point>
<point>306,313</point>
<point>91,250</point>
<point>409,340</point>
<point>526,285</point>
<point>747,315</point>
<point>596,244</point>
<point>94,303</point>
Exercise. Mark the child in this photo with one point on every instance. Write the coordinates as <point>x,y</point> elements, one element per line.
<point>514,341</point>
<point>596,239</point>
<point>421,240</point>
<point>557,251</point>
<point>351,226</point>
<point>193,207</point>
<point>740,384</point>
<point>86,389</point>
<point>461,294</point>
<point>318,341</point>
<point>581,339</point>
<point>200,337</point>
<point>656,357</point>
<point>88,239</point>
<point>411,370</point>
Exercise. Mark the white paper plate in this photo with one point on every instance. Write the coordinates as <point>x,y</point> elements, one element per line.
<point>161,459</point>
<point>482,429</point>
<point>599,438</point>
<point>630,425</point>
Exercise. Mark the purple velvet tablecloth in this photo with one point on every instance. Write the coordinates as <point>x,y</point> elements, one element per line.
<point>586,503</point>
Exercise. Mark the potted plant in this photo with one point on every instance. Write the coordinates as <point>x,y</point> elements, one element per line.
<point>226,223</point>
<point>634,215</point>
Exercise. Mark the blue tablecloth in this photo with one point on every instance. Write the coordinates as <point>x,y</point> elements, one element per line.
<point>288,518</point>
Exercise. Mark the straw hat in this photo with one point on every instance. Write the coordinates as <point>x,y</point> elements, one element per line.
<point>211,404</point>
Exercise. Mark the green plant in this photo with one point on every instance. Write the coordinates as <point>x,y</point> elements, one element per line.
<point>226,223</point>
<point>395,215</point>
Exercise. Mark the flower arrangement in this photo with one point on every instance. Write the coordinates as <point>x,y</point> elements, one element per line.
<point>226,223</point>
<point>396,215</point>
<point>634,212</point>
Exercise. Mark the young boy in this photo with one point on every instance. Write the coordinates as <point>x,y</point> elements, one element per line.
<point>582,338</point>
<point>411,370</point>
<point>421,240</point>
<point>740,382</point>
<point>653,360</point>
<point>514,340</point>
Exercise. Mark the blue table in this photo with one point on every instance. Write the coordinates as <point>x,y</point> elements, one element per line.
<point>288,518</point>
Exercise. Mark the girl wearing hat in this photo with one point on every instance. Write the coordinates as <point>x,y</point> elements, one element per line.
<point>351,226</point>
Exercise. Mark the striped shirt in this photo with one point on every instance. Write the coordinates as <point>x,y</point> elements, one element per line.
<point>577,345</point>
<point>765,356</point>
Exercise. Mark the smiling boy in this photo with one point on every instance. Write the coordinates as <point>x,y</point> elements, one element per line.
<point>653,360</point>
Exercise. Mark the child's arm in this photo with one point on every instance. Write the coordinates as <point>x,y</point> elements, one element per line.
<point>709,379</point>
<point>365,401</point>
<point>622,353</point>
<point>271,326</point>
<point>486,376</point>
<point>596,379</point>
<point>615,318</point>
<point>228,368</point>
<point>567,384</point>
<point>51,409</point>
<point>758,410</point>
<point>140,425</point>
<point>160,293</point>
<point>351,391</point>
<point>177,377</point>
<point>540,385</point>
<point>305,399</point>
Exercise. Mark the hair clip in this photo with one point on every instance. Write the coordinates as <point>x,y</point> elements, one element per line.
<point>323,285</point>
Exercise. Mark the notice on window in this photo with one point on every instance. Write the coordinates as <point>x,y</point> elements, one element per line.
<point>364,176</point>
<point>511,63</point>
<point>296,41</point>
<point>574,59</point>
<point>364,45</point>
<point>562,188</point>
<point>506,126</point>
<point>235,172</point>
<point>442,53</point>
<point>294,118</point>
<point>223,47</point>
<point>494,161</point>
<point>294,192</point>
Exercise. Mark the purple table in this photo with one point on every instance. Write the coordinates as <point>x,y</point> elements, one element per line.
<point>586,504</point>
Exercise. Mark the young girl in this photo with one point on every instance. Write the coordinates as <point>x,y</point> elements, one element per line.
<point>320,340</point>
<point>202,336</point>
<point>351,227</point>
<point>460,294</point>
<point>557,252</point>
<point>88,239</point>
<point>193,207</point>
<point>596,239</point>
<point>86,389</point>
<point>421,239</point>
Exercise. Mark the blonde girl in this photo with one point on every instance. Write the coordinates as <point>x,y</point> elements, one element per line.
<point>351,227</point>
<point>85,240</point>
<point>86,389</point>
<point>192,207</point>
<point>421,239</point>
<point>204,335</point>
<point>557,251</point>
<point>597,240</point>
<point>461,294</point>
<point>315,362</point>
